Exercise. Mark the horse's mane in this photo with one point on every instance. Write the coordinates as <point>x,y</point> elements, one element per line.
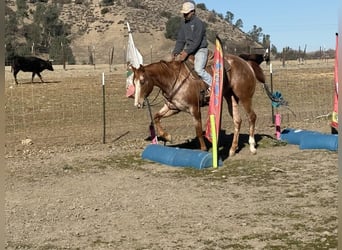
<point>170,65</point>
<point>164,64</point>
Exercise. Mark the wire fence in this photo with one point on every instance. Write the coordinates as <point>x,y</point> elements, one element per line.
<point>72,107</point>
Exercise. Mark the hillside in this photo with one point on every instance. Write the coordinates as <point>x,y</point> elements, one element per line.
<point>92,30</point>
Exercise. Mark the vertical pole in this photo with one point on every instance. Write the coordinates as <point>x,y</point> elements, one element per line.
<point>214,140</point>
<point>63,53</point>
<point>94,56</point>
<point>277,125</point>
<point>271,76</point>
<point>151,53</point>
<point>104,109</point>
<point>124,56</point>
<point>32,49</point>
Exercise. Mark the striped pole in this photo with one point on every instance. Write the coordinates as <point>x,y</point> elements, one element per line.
<point>214,140</point>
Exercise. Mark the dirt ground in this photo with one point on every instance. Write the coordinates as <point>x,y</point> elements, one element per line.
<point>104,196</point>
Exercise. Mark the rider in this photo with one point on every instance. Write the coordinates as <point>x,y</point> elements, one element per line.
<point>192,40</point>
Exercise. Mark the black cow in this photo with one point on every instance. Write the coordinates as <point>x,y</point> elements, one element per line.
<point>30,64</point>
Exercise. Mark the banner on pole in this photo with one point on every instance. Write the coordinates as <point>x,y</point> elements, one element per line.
<point>133,58</point>
<point>334,122</point>
<point>215,103</point>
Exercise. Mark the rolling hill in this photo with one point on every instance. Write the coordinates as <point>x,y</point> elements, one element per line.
<point>100,28</point>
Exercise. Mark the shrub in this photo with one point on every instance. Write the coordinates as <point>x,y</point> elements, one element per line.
<point>104,11</point>
<point>172,27</point>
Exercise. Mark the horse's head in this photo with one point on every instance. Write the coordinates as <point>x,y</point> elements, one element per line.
<point>142,86</point>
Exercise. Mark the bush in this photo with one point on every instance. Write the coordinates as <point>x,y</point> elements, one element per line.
<point>107,2</point>
<point>212,17</point>
<point>104,11</point>
<point>172,27</point>
<point>166,14</point>
<point>201,6</point>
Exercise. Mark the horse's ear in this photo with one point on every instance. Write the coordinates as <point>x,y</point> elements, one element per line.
<point>142,68</point>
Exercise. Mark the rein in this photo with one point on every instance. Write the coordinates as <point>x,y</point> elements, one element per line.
<point>276,98</point>
<point>154,99</point>
<point>173,90</point>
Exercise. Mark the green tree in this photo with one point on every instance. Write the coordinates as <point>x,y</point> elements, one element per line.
<point>38,15</point>
<point>21,9</point>
<point>274,50</point>
<point>107,2</point>
<point>212,17</point>
<point>201,6</point>
<point>47,32</point>
<point>229,17</point>
<point>238,24</point>
<point>255,33</point>
<point>266,41</point>
<point>172,27</point>
<point>32,33</point>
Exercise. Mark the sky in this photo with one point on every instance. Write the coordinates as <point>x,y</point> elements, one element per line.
<point>293,23</point>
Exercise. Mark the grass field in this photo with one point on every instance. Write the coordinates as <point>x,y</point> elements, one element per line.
<point>66,189</point>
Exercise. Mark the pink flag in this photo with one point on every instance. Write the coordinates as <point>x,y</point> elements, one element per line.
<point>215,102</point>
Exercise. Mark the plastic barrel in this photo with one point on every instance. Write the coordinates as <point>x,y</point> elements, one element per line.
<point>319,141</point>
<point>294,136</point>
<point>178,157</point>
<point>158,153</point>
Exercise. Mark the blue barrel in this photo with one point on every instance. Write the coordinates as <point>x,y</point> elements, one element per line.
<point>319,141</point>
<point>159,153</point>
<point>178,157</point>
<point>294,136</point>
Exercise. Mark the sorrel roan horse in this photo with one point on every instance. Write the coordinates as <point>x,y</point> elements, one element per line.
<point>181,91</point>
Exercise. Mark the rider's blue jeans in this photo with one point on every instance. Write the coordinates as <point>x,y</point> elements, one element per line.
<point>200,62</point>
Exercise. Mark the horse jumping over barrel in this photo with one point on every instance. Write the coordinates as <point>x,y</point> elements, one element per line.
<point>181,91</point>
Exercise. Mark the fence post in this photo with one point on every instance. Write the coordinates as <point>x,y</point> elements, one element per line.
<point>103,109</point>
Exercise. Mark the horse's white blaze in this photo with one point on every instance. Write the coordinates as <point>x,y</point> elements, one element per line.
<point>137,93</point>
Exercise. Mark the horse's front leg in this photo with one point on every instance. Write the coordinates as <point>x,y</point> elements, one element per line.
<point>164,112</point>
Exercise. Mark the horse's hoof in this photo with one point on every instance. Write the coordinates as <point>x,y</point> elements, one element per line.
<point>168,138</point>
<point>231,153</point>
<point>253,150</point>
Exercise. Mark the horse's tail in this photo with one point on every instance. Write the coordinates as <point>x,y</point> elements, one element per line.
<point>260,76</point>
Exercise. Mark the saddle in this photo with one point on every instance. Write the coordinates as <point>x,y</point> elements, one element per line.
<point>204,88</point>
<point>189,62</point>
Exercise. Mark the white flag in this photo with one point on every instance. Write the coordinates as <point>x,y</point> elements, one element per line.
<point>133,56</point>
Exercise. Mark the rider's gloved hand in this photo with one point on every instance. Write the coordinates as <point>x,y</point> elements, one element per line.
<point>183,55</point>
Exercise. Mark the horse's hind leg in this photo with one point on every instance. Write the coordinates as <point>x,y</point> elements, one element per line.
<point>163,113</point>
<point>234,113</point>
<point>251,120</point>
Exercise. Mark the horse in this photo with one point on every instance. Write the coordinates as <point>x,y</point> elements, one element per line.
<point>181,92</point>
